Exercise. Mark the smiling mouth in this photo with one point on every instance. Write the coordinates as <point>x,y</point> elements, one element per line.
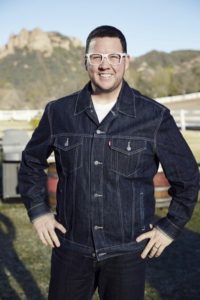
<point>105,75</point>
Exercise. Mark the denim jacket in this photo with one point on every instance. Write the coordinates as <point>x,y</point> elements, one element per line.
<point>105,193</point>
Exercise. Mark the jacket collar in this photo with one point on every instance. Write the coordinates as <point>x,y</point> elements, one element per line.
<point>125,103</point>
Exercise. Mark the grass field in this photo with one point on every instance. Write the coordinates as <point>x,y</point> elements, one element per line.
<point>25,262</point>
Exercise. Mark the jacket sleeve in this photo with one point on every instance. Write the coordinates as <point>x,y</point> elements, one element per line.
<point>182,172</point>
<point>32,176</point>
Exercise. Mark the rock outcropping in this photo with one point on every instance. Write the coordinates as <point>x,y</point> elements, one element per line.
<point>38,40</point>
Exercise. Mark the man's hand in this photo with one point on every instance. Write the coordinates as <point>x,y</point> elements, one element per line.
<point>45,227</point>
<point>158,241</point>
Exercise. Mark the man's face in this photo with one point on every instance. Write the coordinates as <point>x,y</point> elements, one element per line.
<point>105,77</point>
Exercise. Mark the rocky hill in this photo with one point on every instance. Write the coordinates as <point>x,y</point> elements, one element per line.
<point>36,66</point>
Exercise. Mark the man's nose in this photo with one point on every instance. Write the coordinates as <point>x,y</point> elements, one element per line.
<point>105,62</point>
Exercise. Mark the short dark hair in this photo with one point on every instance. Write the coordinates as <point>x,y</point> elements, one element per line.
<point>106,31</point>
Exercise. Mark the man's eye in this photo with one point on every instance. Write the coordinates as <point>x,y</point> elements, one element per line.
<point>114,56</point>
<point>95,56</point>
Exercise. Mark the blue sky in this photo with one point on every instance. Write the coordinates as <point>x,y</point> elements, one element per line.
<point>164,25</point>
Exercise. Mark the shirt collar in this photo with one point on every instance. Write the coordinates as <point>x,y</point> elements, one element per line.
<point>125,103</point>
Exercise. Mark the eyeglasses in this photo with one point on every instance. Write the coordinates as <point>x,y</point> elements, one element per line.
<point>112,58</point>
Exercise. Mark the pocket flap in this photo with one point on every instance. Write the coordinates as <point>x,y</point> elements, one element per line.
<point>66,143</point>
<point>128,147</point>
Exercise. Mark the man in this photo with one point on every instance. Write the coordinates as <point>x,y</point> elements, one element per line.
<point>108,140</point>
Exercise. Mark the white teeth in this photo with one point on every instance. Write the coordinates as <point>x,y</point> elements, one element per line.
<point>105,75</point>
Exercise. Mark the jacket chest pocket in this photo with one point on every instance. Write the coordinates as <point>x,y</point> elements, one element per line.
<point>126,155</point>
<point>70,152</point>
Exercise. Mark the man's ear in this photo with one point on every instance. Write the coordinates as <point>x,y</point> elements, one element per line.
<point>86,64</point>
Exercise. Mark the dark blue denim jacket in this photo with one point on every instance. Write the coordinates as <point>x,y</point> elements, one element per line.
<point>105,194</point>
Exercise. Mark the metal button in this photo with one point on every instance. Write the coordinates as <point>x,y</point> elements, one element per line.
<point>98,195</point>
<point>96,162</point>
<point>128,147</point>
<point>66,144</point>
<point>99,131</point>
<point>96,227</point>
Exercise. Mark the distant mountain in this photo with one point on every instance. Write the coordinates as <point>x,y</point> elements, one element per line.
<point>36,66</point>
<point>160,74</point>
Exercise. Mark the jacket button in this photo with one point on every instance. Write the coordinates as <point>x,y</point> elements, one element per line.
<point>96,227</point>
<point>98,195</point>
<point>96,162</point>
<point>99,131</point>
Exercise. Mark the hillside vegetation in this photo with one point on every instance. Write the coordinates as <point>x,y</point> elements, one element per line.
<point>36,67</point>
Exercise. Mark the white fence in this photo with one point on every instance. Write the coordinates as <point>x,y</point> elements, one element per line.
<point>178,98</point>
<point>19,115</point>
<point>187,119</point>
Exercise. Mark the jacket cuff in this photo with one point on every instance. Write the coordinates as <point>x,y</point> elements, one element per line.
<point>38,211</point>
<point>168,227</point>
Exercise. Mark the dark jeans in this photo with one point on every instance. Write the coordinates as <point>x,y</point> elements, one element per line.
<point>76,277</point>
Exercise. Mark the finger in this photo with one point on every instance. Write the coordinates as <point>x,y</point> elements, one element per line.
<point>48,239</point>
<point>60,227</point>
<point>40,234</point>
<point>147,249</point>
<point>159,251</point>
<point>153,251</point>
<point>54,238</point>
<point>146,235</point>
